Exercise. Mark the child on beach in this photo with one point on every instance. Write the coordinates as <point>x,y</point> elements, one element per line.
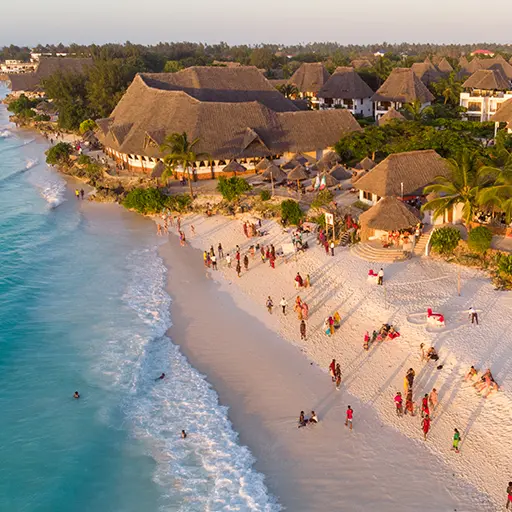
<point>348,421</point>
<point>456,440</point>
<point>398,403</point>
<point>270,304</point>
<point>228,260</point>
<point>246,263</point>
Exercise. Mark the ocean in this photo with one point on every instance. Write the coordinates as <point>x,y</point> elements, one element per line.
<point>83,308</point>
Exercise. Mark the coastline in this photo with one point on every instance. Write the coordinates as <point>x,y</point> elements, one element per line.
<point>266,381</point>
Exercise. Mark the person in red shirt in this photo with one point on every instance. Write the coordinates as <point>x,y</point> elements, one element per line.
<point>332,369</point>
<point>298,281</point>
<point>424,406</point>
<point>398,403</point>
<point>425,424</point>
<point>350,414</point>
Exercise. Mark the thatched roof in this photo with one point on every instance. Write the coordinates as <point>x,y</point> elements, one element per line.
<point>273,172</point>
<point>90,136</point>
<point>463,62</point>
<point>262,164</point>
<point>403,86</point>
<point>504,113</point>
<point>330,159</point>
<point>390,115</point>
<point>291,164</point>
<point>345,83</point>
<point>389,214</point>
<point>310,77</point>
<point>426,72</point>
<point>444,67</point>
<point>31,82</point>
<point>304,159</point>
<point>158,169</point>
<point>488,79</point>
<point>496,63</point>
<point>234,166</point>
<point>361,63</point>
<point>299,173</point>
<point>330,181</point>
<point>225,85</point>
<point>340,173</point>
<point>365,164</point>
<point>414,169</point>
<point>225,129</point>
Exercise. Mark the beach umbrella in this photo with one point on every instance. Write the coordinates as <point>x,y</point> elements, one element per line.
<point>234,167</point>
<point>262,164</point>
<point>304,159</point>
<point>273,173</point>
<point>158,170</point>
<point>366,164</point>
<point>340,173</point>
<point>291,164</point>
<point>329,159</point>
<point>298,174</point>
<point>328,180</point>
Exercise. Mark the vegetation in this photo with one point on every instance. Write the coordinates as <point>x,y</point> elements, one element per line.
<point>288,90</point>
<point>180,152</point>
<point>323,198</point>
<point>445,240</point>
<point>59,154</point>
<point>22,108</point>
<point>86,126</point>
<point>505,264</point>
<point>153,200</point>
<point>232,188</point>
<point>83,160</point>
<point>265,195</point>
<point>479,240</point>
<point>291,212</point>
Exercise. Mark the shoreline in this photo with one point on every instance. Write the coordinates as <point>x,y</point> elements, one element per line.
<point>265,381</point>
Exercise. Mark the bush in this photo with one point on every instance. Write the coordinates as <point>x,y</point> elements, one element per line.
<point>179,203</point>
<point>145,200</point>
<point>87,125</point>
<point>291,212</point>
<point>93,171</point>
<point>42,117</point>
<point>265,195</point>
<point>22,104</point>
<point>505,264</point>
<point>445,240</point>
<point>232,188</point>
<point>323,198</point>
<point>83,160</point>
<point>59,154</point>
<point>479,239</point>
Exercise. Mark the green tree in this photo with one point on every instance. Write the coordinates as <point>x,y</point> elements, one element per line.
<point>449,89</point>
<point>87,125</point>
<point>288,90</point>
<point>445,240</point>
<point>262,58</point>
<point>499,193</point>
<point>172,66</point>
<point>479,239</point>
<point>180,152</point>
<point>59,154</point>
<point>464,185</point>
<point>232,188</point>
<point>145,200</point>
<point>21,104</point>
<point>291,212</point>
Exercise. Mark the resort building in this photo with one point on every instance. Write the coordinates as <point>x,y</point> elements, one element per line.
<point>346,89</point>
<point>504,114</point>
<point>235,114</point>
<point>426,72</point>
<point>401,87</point>
<point>496,63</point>
<point>309,80</point>
<point>30,83</point>
<point>444,67</point>
<point>16,66</point>
<point>484,92</point>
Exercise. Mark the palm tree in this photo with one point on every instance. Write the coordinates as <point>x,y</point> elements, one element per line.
<point>413,110</point>
<point>499,193</point>
<point>449,88</point>
<point>465,185</point>
<point>288,90</point>
<point>180,152</point>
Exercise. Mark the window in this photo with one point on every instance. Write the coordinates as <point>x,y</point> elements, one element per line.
<point>367,195</point>
<point>474,106</point>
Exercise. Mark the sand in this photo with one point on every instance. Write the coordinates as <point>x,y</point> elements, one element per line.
<point>223,328</point>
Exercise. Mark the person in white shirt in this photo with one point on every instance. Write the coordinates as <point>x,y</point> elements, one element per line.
<point>213,259</point>
<point>228,259</point>
<point>283,303</point>
<point>473,315</point>
<point>380,276</point>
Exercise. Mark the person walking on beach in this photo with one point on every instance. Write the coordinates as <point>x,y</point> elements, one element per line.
<point>77,193</point>
<point>238,268</point>
<point>433,399</point>
<point>246,263</point>
<point>424,406</point>
<point>337,374</point>
<point>228,260</point>
<point>283,303</point>
<point>82,193</point>
<point>307,281</point>
<point>425,425</point>
<point>410,378</point>
<point>348,420</point>
<point>262,252</point>
<point>302,330</point>
<point>298,281</point>
<point>409,404</point>
<point>270,304</point>
<point>332,248</point>
<point>509,494</point>
<point>473,315</point>
<point>398,403</point>
<point>380,277</point>
<point>332,370</point>
<point>456,440</point>
<point>220,251</point>
<point>302,420</point>
<point>213,259</point>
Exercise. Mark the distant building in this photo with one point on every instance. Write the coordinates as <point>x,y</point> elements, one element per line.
<point>426,71</point>
<point>483,53</point>
<point>498,63</point>
<point>346,89</point>
<point>379,53</point>
<point>16,66</point>
<point>309,80</point>
<point>30,83</point>
<point>444,67</point>
<point>484,92</point>
<point>361,64</point>
<point>401,87</point>
<point>234,112</point>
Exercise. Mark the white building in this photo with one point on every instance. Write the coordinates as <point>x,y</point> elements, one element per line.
<point>401,87</point>
<point>484,92</point>
<point>346,89</point>
<point>16,66</point>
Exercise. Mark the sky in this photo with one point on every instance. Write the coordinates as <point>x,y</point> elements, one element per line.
<point>30,22</point>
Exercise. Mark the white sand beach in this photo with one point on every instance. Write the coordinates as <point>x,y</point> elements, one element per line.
<point>223,327</point>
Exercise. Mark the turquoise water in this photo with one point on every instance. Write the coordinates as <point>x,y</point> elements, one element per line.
<point>82,307</point>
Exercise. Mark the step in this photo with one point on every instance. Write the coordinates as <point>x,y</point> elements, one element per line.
<point>369,253</point>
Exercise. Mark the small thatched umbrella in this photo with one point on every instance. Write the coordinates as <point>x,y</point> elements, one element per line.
<point>291,164</point>
<point>340,173</point>
<point>273,173</point>
<point>262,164</point>
<point>234,167</point>
<point>158,169</point>
<point>330,159</point>
<point>389,214</point>
<point>304,159</point>
<point>298,174</point>
<point>330,181</point>
<point>365,164</point>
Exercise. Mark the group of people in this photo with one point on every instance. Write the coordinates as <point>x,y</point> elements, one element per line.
<point>485,384</point>
<point>303,421</point>
<point>429,354</point>
<point>251,229</point>
<point>331,323</point>
<point>335,373</point>
<point>79,194</point>
<point>385,332</point>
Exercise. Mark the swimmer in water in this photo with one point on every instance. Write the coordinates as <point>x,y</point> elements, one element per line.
<point>161,377</point>
<point>183,434</point>
<point>76,394</point>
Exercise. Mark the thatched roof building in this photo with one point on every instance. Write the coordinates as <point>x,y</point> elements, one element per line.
<point>262,164</point>
<point>361,64</point>
<point>404,173</point>
<point>298,174</point>
<point>390,115</point>
<point>403,86</point>
<point>389,214</point>
<point>487,79</point>
<point>340,173</point>
<point>444,66</point>
<point>496,63</point>
<point>504,114</point>
<point>272,172</point>
<point>365,164</point>
<point>158,170</point>
<point>234,167</point>
<point>426,72</point>
<point>228,109</point>
<point>310,77</point>
<point>31,82</point>
<point>345,83</point>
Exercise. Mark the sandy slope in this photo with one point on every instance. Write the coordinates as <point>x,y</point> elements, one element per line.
<point>373,377</point>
